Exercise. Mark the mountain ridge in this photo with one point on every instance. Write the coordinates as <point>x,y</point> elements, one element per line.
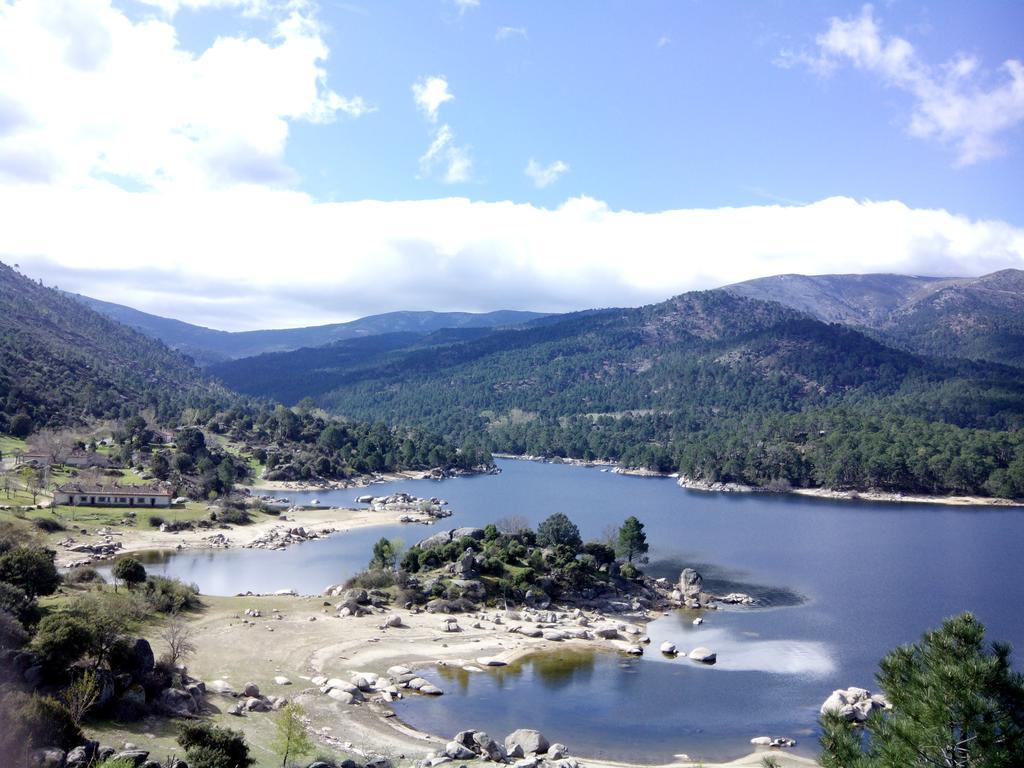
<point>209,345</point>
<point>979,318</point>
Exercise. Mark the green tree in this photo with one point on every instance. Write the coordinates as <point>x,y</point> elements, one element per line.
<point>632,540</point>
<point>559,530</point>
<point>130,571</point>
<point>31,570</point>
<point>385,554</point>
<point>291,739</point>
<point>209,746</point>
<point>956,703</point>
<point>61,640</point>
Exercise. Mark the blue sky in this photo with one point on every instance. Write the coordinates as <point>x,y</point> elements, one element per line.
<point>652,105</point>
<point>245,163</point>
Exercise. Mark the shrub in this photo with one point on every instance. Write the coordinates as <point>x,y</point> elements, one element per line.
<point>155,521</point>
<point>429,560</point>
<point>83,575</point>
<point>628,571</point>
<point>411,560</point>
<point>49,723</point>
<point>61,639</point>
<point>234,517</point>
<point>12,634</point>
<point>166,595</point>
<point>372,578</point>
<point>17,603</point>
<point>117,762</point>
<point>208,746</point>
<point>48,524</point>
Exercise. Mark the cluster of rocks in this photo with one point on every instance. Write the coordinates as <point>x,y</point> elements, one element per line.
<point>107,549</point>
<point>249,699</point>
<point>426,510</point>
<point>91,753</point>
<point>777,742</point>
<point>357,601</point>
<point>523,748</point>
<point>217,541</point>
<point>282,537</point>
<point>716,487</point>
<point>384,688</point>
<point>135,689</point>
<point>700,653</point>
<point>690,593</point>
<point>855,705</point>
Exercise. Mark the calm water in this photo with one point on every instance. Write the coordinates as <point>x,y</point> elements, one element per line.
<point>841,582</point>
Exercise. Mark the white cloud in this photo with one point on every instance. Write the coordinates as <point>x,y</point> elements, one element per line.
<point>663,41</point>
<point>952,102</point>
<point>255,257</point>
<point>443,151</point>
<point>545,175</point>
<point>430,93</point>
<point>465,5</point>
<point>506,33</point>
<point>99,95</point>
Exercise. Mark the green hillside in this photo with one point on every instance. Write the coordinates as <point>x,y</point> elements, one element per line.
<point>718,386</point>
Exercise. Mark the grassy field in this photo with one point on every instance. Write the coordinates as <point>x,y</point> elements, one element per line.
<point>9,445</point>
<point>96,517</point>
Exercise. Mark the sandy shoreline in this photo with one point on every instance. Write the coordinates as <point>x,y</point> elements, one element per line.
<point>308,640</point>
<point>336,520</point>
<point>820,493</point>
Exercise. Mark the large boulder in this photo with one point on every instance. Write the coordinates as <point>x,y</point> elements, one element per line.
<point>488,748</point>
<point>222,687</point>
<point>457,751</point>
<point>143,659</point>
<point>691,583</point>
<point>703,655</point>
<point>178,703</point>
<point>470,533</point>
<point>525,741</point>
<point>854,705</point>
<point>82,756</point>
<point>49,757</point>
<point>437,540</point>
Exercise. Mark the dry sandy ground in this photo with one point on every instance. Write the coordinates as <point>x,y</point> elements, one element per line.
<point>308,640</point>
<point>907,498</point>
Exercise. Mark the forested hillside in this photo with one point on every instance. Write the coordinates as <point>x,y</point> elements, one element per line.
<point>63,364</point>
<point>978,318</point>
<point>720,387</point>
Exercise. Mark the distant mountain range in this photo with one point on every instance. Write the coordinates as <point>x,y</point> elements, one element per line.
<point>720,386</point>
<point>206,345</point>
<point>979,318</point>
<point>838,381</point>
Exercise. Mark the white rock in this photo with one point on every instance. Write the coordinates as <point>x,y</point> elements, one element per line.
<point>703,655</point>
<point>669,648</point>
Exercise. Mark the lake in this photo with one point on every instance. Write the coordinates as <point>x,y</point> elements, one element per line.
<point>839,584</point>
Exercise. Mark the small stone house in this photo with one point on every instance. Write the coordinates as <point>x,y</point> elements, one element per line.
<point>86,495</point>
<point>83,459</point>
